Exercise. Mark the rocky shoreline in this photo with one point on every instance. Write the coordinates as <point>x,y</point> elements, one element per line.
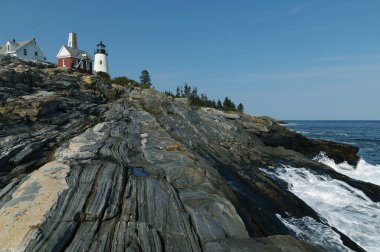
<point>113,169</point>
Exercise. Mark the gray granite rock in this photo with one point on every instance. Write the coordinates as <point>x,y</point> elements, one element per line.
<point>146,172</point>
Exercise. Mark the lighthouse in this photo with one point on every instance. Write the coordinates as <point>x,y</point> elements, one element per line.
<point>101,62</point>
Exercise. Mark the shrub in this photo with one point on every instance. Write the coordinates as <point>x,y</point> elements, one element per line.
<point>125,81</point>
<point>103,76</point>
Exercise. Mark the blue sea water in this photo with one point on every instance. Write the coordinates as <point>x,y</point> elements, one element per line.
<point>342,205</point>
<point>363,134</point>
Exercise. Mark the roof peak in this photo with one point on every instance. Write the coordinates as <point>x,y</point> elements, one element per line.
<point>74,52</point>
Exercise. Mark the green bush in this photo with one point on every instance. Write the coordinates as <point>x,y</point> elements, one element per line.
<point>125,81</point>
<point>144,86</point>
<point>103,76</point>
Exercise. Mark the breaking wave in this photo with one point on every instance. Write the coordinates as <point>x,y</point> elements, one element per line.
<point>304,132</point>
<point>344,207</point>
<point>364,171</point>
<point>314,232</point>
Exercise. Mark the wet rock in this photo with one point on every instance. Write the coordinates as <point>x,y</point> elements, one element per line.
<point>270,244</point>
<point>280,136</point>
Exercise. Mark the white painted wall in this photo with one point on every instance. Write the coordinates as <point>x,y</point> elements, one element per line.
<point>63,53</point>
<point>73,40</point>
<point>10,46</point>
<point>31,49</point>
<point>101,63</point>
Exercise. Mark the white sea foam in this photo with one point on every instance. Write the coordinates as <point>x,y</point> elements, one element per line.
<point>342,134</point>
<point>344,207</point>
<point>314,232</point>
<point>363,171</point>
<point>304,132</point>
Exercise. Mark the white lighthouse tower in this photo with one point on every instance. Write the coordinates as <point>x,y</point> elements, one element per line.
<point>101,62</point>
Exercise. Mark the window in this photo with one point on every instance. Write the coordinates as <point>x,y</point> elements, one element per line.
<point>100,62</point>
<point>36,54</point>
<point>25,52</point>
<point>63,62</point>
<point>8,48</point>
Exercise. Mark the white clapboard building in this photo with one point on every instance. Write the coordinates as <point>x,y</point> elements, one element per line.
<point>26,50</point>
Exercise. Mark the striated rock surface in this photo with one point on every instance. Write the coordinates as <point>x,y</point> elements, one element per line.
<point>22,215</point>
<point>85,166</point>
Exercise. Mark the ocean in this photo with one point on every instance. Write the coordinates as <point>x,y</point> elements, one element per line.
<point>363,134</point>
<point>342,206</point>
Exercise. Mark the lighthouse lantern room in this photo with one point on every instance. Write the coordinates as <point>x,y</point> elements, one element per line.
<point>101,61</point>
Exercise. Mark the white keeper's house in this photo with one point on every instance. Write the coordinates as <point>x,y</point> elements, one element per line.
<point>26,50</point>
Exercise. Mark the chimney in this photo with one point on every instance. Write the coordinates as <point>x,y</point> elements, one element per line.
<point>73,40</point>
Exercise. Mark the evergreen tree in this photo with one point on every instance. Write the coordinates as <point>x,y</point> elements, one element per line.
<point>213,104</point>
<point>145,79</point>
<point>240,108</point>
<point>202,100</point>
<point>233,107</point>
<point>169,93</point>
<point>228,104</point>
<point>219,104</point>
<point>194,93</point>
<point>187,90</point>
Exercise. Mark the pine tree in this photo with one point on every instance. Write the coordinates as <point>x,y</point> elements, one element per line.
<point>194,93</point>
<point>219,104</point>
<point>213,103</point>
<point>145,79</point>
<point>228,104</point>
<point>187,90</point>
<point>202,100</point>
<point>169,93</point>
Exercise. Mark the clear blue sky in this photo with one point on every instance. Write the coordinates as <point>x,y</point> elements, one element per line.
<point>289,59</point>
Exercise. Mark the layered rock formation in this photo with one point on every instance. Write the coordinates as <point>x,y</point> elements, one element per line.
<point>85,166</point>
